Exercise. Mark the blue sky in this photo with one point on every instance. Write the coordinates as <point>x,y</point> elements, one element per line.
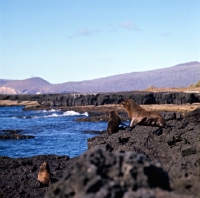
<point>74,40</point>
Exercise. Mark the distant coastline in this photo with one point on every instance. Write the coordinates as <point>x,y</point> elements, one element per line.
<point>179,76</point>
<point>165,101</point>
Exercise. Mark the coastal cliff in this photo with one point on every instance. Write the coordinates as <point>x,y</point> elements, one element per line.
<point>62,100</point>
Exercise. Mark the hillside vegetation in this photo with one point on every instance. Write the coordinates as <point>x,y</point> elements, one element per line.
<point>196,85</point>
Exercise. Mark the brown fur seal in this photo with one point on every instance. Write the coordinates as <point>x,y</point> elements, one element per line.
<point>114,122</point>
<point>44,175</point>
<point>140,116</point>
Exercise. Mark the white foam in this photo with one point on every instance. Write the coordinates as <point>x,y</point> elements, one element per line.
<point>52,110</point>
<point>67,113</point>
<point>53,115</point>
<point>85,114</point>
<point>74,113</point>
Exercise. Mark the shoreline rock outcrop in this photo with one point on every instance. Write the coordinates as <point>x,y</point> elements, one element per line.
<point>13,134</point>
<point>177,149</point>
<point>140,97</point>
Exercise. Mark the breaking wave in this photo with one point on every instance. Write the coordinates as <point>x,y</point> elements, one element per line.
<point>50,114</point>
<point>74,113</point>
<point>52,110</point>
<point>67,113</point>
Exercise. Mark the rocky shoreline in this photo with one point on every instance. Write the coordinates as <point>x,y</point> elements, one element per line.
<point>176,148</point>
<point>175,154</point>
<point>78,99</point>
<point>125,164</point>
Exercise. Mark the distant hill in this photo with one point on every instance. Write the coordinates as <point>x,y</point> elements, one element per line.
<point>8,91</point>
<point>181,75</point>
<point>31,85</point>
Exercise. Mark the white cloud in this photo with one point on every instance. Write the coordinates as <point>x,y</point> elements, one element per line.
<point>83,32</point>
<point>127,24</point>
<point>130,25</point>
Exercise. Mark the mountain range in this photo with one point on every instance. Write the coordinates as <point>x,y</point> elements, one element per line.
<point>181,75</point>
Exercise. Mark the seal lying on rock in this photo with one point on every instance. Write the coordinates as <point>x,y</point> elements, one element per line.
<point>44,175</point>
<point>140,116</point>
<point>114,122</point>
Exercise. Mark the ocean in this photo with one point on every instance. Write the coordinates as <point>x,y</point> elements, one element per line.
<point>54,131</point>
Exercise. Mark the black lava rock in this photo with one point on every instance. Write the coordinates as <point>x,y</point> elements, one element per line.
<point>100,174</point>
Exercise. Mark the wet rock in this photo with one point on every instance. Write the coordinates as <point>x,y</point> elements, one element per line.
<point>13,134</point>
<point>95,132</point>
<point>93,119</point>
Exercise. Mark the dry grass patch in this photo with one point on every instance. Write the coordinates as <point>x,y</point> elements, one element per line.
<point>171,89</point>
<point>172,107</point>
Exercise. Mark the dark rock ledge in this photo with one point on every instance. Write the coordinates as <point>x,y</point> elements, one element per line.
<point>64,100</point>
<point>13,134</point>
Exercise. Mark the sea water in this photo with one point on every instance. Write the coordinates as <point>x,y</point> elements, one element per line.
<point>54,131</point>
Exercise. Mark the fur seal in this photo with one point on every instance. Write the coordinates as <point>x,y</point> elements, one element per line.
<point>114,122</point>
<point>44,175</point>
<point>140,116</point>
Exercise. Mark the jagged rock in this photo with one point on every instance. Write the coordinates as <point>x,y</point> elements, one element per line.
<point>176,148</point>
<point>100,174</point>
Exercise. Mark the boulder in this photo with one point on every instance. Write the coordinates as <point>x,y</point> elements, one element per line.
<point>100,174</point>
